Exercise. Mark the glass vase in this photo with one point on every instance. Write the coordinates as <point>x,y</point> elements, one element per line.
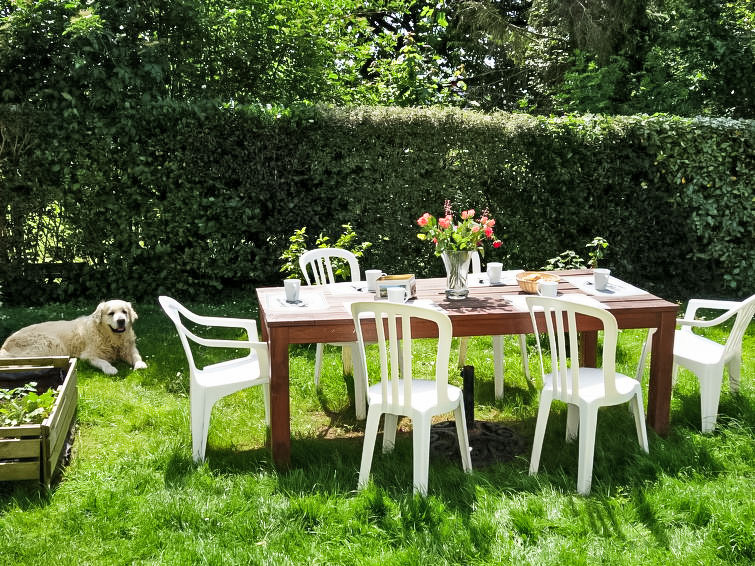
<point>457,268</point>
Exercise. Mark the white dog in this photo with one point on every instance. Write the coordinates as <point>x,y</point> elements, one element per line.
<point>99,338</point>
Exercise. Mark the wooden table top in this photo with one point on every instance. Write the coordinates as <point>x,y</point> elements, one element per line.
<point>327,307</point>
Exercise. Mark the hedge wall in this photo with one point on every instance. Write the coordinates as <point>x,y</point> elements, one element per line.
<point>194,199</point>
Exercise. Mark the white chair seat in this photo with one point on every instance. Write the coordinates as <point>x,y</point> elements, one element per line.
<point>697,348</point>
<point>424,397</point>
<point>241,371</point>
<point>592,386</point>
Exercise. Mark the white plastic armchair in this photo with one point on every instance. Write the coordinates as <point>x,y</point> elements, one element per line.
<point>498,357</point>
<point>317,267</point>
<point>583,389</point>
<point>705,357</point>
<point>398,394</point>
<point>213,382</point>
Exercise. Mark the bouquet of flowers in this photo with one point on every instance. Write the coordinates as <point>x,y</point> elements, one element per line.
<point>468,234</point>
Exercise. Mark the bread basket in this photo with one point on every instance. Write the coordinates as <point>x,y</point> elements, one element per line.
<point>528,280</point>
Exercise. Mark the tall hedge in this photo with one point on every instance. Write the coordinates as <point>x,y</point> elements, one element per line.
<point>191,199</point>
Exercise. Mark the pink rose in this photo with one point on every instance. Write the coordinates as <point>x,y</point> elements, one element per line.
<point>464,214</point>
<point>475,228</point>
<point>470,213</point>
<point>422,221</point>
<point>483,220</point>
<point>491,222</point>
<point>488,231</point>
<point>497,244</point>
<point>445,222</point>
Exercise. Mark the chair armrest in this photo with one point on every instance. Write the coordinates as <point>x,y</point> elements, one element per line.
<point>695,304</point>
<point>248,324</point>
<point>731,308</point>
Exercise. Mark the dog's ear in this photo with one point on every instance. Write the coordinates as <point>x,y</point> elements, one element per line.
<point>131,312</point>
<point>99,312</point>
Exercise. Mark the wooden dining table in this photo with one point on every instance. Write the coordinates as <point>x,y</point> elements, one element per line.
<point>323,315</point>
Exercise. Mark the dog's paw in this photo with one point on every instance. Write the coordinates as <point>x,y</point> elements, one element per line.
<point>109,370</point>
<point>140,365</point>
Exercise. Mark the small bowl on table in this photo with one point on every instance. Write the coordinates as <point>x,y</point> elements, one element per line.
<point>528,280</point>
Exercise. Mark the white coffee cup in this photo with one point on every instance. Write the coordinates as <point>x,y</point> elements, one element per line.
<point>372,275</point>
<point>494,269</point>
<point>546,288</point>
<point>601,278</point>
<point>396,294</point>
<point>292,287</point>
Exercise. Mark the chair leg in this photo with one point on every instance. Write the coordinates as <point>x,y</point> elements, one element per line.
<point>710,395</point>
<point>360,382</point>
<point>542,420</point>
<point>266,400</point>
<point>463,346</point>
<point>318,362</point>
<point>463,435</point>
<point>572,422</point>
<point>643,354</point>
<point>525,359</point>
<point>421,449</point>
<point>390,424</point>
<point>368,448</point>
<point>201,408</point>
<point>588,422</point>
<point>636,406</point>
<point>735,368</point>
<point>498,366</point>
<point>346,359</point>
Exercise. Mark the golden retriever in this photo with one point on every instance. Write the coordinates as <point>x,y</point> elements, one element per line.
<point>100,338</point>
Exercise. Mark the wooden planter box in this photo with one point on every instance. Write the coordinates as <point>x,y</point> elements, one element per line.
<point>33,451</point>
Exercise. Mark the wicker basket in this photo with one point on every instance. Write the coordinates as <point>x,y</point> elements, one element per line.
<point>528,280</point>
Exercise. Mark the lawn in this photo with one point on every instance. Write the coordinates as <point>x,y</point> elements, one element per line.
<point>132,495</point>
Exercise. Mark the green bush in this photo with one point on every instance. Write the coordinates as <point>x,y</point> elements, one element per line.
<point>193,198</point>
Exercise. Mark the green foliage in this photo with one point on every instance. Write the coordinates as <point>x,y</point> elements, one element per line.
<point>570,260</point>
<point>200,198</point>
<point>23,405</point>
<point>298,245</point>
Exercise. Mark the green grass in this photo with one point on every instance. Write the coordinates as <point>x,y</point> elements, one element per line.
<point>131,494</point>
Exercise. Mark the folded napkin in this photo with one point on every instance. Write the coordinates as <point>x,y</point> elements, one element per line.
<point>307,301</point>
<point>615,288</point>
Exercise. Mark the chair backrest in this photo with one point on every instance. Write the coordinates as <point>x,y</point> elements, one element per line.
<point>395,369</point>
<point>746,310</point>
<point>561,319</point>
<point>174,310</point>
<point>318,263</point>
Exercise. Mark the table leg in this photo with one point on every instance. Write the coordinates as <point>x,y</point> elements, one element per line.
<point>280,415</point>
<point>589,349</point>
<point>661,364</point>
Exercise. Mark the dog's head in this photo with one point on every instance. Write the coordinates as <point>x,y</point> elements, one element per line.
<point>117,315</point>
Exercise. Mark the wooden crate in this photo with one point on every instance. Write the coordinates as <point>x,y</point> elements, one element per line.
<point>33,451</point>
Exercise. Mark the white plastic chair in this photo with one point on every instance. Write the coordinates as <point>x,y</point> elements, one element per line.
<point>583,389</point>
<point>498,359</point>
<point>705,357</point>
<point>317,267</point>
<point>398,394</point>
<point>215,381</point>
